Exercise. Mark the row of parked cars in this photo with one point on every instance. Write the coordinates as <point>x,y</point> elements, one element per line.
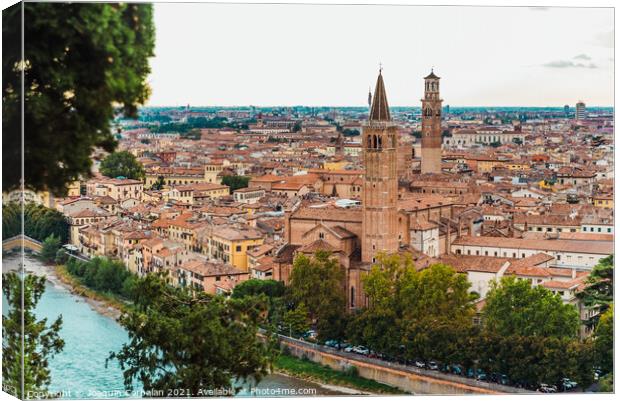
<point>478,374</point>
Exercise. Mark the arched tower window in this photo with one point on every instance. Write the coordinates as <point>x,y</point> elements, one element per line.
<point>374,142</point>
<point>380,142</point>
<point>352,297</point>
<point>369,142</point>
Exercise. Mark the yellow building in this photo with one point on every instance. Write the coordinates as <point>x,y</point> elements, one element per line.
<point>335,165</point>
<point>230,245</point>
<point>213,169</point>
<point>190,194</point>
<point>487,165</point>
<point>174,176</point>
<point>603,201</point>
<point>517,166</point>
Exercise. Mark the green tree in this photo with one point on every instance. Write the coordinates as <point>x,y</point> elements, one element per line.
<point>39,222</point>
<point>41,341</point>
<point>414,314</point>
<point>607,383</point>
<point>604,342</point>
<point>82,64</point>
<point>235,182</point>
<point>51,246</point>
<point>254,287</point>
<point>599,290</point>
<point>159,184</point>
<point>318,282</point>
<point>189,341</point>
<point>122,164</point>
<point>514,306</point>
<point>438,312</point>
<point>296,321</point>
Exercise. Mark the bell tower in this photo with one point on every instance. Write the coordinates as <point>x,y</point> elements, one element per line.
<point>380,192</point>
<point>431,125</point>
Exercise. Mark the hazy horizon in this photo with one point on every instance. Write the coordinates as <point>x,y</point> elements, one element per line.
<point>292,54</point>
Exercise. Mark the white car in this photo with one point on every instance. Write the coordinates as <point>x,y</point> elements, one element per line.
<point>350,348</point>
<point>360,349</point>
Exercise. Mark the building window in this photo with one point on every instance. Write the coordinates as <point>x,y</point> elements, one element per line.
<point>322,235</point>
<point>238,248</point>
<point>352,297</point>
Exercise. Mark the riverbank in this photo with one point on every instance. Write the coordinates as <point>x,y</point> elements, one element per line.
<point>106,304</point>
<point>326,376</point>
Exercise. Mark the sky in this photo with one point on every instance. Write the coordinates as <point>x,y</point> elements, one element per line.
<point>322,55</point>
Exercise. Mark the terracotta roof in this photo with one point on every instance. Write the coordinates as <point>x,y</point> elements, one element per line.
<point>465,263</point>
<point>318,245</point>
<point>558,245</point>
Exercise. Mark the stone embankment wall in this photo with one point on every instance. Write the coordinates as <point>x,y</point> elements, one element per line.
<point>407,378</point>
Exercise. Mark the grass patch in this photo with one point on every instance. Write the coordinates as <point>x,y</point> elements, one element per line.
<point>306,369</point>
<point>80,288</point>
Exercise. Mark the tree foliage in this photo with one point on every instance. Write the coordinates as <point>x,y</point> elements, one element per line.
<point>604,342</point>
<point>318,282</point>
<point>530,334</point>
<point>235,182</point>
<point>255,287</point>
<point>414,314</point>
<point>41,341</point>
<point>50,248</point>
<point>39,222</point>
<point>103,274</point>
<point>515,307</point>
<point>122,164</point>
<point>296,321</point>
<point>599,290</point>
<point>197,342</point>
<point>81,61</point>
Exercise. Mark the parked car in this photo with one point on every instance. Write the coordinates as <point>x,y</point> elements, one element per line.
<point>456,369</point>
<point>568,384</point>
<point>546,388</point>
<point>332,343</point>
<point>503,379</point>
<point>310,334</point>
<point>432,365</point>
<point>481,375</point>
<point>420,363</point>
<point>348,348</point>
<point>360,349</point>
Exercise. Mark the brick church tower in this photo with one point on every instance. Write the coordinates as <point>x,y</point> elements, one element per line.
<point>380,192</point>
<point>431,126</point>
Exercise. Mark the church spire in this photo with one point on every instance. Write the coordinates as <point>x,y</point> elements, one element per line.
<point>380,110</point>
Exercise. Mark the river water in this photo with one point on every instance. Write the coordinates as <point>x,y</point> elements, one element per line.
<point>79,371</point>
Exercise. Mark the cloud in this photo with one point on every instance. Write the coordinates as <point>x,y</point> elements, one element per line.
<point>605,39</point>
<point>582,57</point>
<point>568,64</point>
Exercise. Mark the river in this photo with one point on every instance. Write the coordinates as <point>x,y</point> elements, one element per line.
<point>79,370</point>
